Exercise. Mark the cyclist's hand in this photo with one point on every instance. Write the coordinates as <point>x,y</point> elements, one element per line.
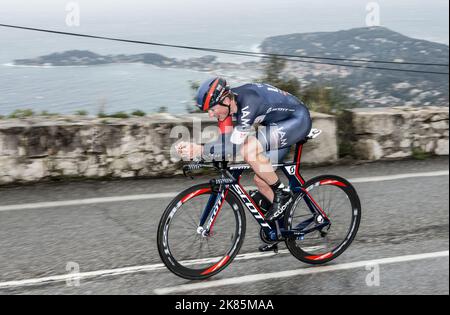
<point>187,150</point>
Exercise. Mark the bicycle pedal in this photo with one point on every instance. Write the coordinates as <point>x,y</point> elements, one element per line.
<point>269,247</point>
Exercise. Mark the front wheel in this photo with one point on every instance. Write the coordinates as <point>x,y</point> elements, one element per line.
<point>329,210</point>
<point>185,249</point>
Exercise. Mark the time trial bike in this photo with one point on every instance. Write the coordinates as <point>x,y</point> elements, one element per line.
<point>203,228</point>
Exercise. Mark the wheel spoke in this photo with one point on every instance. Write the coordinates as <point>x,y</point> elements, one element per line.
<point>186,244</point>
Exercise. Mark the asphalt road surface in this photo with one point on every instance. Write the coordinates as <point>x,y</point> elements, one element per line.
<point>97,237</point>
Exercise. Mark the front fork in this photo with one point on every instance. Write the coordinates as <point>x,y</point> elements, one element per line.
<point>212,210</point>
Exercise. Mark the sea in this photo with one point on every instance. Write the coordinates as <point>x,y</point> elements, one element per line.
<point>127,87</point>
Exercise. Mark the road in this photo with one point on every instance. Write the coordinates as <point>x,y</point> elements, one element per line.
<point>106,230</point>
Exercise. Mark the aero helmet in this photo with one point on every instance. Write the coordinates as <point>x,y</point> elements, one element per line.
<point>211,93</point>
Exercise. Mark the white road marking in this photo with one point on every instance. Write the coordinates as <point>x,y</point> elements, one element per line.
<point>252,278</point>
<point>124,271</point>
<point>297,272</point>
<point>78,276</point>
<point>41,205</point>
<point>398,176</point>
<point>80,202</point>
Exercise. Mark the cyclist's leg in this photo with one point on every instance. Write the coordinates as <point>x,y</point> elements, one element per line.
<point>288,132</point>
<point>277,139</point>
<point>253,153</point>
<point>275,157</point>
<point>279,136</point>
<point>255,149</point>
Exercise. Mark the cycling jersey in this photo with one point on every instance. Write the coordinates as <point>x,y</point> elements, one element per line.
<point>283,119</point>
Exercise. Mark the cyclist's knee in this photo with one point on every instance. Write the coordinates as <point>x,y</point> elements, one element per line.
<point>251,149</point>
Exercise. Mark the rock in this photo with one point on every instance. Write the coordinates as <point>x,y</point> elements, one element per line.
<point>439,117</point>
<point>114,151</point>
<point>144,172</point>
<point>6,180</point>
<point>440,125</point>
<point>67,167</point>
<point>8,167</point>
<point>136,161</point>
<point>406,143</point>
<point>128,174</point>
<point>379,123</point>
<point>92,171</point>
<point>388,144</point>
<point>423,115</point>
<point>442,147</point>
<point>9,145</point>
<point>398,155</point>
<point>429,146</point>
<point>159,158</point>
<point>35,170</point>
<point>119,165</point>
<point>129,145</point>
<point>369,149</point>
<point>102,172</point>
<point>21,151</point>
<point>156,150</point>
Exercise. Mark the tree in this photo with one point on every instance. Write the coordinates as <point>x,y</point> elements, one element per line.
<point>191,108</point>
<point>325,99</point>
<point>320,98</point>
<point>273,75</point>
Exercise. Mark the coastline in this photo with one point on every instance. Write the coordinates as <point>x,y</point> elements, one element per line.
<point>13,65</point>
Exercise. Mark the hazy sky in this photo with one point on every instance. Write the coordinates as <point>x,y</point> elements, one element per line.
<point>191,5</point>
<point>206,22</point>
<point>229,24</point>
<point>25,10</point>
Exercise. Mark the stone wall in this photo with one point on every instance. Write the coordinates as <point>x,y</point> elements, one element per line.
<point>34,149</point>
<point>398,132</point>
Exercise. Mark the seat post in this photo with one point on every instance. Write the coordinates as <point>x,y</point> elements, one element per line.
<point>298,153</point>
<point>297,161</point>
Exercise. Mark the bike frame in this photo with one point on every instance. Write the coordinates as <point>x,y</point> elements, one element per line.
<point>230,180</point>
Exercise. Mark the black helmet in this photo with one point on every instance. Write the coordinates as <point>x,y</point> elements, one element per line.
<point>211,92</point>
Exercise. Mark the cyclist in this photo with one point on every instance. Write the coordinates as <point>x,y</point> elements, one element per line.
<point>284,121</point>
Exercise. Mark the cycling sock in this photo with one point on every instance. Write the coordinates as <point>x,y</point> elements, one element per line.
<point>278,185</point>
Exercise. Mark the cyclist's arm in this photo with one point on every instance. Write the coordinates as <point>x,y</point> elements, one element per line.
<point>228,145</point>
<point>221,149</point>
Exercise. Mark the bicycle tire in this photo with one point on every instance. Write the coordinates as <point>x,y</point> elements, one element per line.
<point>215,266</point>
<point>295,245</point>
